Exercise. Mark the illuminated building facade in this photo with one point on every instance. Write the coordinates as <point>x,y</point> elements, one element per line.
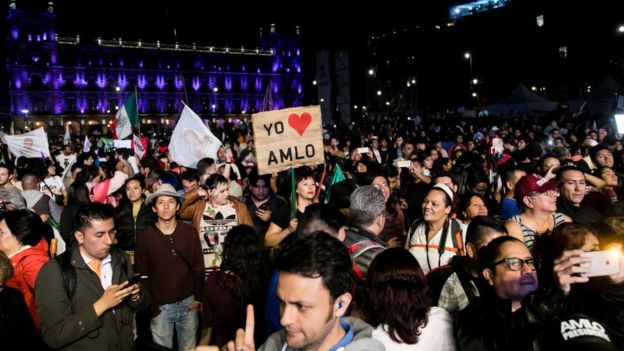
<point>55,77</point>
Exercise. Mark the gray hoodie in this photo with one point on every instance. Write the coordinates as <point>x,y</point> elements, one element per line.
<point>362,338</point>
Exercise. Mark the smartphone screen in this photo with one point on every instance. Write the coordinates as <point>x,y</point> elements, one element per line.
<point>134,279</point>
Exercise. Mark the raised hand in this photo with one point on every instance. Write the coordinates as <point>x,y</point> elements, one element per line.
<point>568,270</point>
<point>244,338</point>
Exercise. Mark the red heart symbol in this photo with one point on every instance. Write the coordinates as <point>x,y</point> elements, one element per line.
<point>299,123</point>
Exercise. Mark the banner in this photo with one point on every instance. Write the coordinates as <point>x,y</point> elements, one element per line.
<point>291,137</point>
<point>192,140</point>
<point>31,144</point>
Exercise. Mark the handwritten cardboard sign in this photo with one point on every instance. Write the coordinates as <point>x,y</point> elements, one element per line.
<point>291,137</point>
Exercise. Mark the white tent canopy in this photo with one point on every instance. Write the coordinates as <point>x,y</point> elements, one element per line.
<point>521,100</point>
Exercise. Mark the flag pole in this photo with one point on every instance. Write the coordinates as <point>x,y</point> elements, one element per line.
<point>184,86</point>
<point>136,99</point>
<point>293,194</point>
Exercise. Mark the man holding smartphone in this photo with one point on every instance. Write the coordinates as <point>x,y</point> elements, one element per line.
<point>85,301</point>
<point>261,203</point>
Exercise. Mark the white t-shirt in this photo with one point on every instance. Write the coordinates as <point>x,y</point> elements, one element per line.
<point>53,185</point>
<point>426,253</point>
<point>436,335</point>
<point>213,229</point>
<point>66,161</point>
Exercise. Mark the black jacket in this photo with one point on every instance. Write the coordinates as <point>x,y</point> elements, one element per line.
<point>127,228</point>
<point>488,323</point>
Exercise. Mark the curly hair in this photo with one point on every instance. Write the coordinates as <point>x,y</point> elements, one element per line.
<point>398,295</point>
<point>243,257</point>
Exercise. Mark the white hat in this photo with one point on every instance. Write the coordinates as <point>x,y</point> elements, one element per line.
<point>444,188</point>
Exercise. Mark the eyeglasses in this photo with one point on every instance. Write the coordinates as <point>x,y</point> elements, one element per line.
<point>547,193</point>
<point>515,264</point>
<point>380,186</point>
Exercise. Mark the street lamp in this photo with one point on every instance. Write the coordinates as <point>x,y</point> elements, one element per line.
<point>371,72</point>
<point>468,57</point>
<point>26,124</point>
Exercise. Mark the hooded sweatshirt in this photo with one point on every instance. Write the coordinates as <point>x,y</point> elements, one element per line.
<point>362,338</point>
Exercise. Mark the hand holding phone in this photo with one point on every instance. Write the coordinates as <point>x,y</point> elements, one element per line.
<point>602,262</point>
<point>403,164</point>
<point>134,279</point>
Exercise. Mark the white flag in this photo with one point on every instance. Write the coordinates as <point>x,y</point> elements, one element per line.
<point>86,147</point>
<point>139,150</point>
<point>122,144</point>
<point>192,140</point>
<point>31,144</point>
<point>66,137</point>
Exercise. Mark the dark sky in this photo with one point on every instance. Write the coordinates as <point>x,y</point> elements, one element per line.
<point>323,23</point>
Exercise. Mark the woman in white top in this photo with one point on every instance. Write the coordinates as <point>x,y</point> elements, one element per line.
<point>399,306</point>
<point>436,238</point>
<point>52,185</point>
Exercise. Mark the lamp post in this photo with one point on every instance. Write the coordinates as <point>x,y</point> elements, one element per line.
<point>468,56</point>
<point>26,124</point>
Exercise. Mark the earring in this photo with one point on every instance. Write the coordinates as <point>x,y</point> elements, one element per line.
<point>340,304</point>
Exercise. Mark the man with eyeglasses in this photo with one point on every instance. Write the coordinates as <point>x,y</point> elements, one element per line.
<point>513,312</point>
<point>537,199</point>
<point>393,232</point>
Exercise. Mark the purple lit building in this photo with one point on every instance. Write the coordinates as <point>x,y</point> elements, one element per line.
<point>53,76</point>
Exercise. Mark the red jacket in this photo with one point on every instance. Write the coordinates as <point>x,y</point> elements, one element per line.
<point>26,266</point>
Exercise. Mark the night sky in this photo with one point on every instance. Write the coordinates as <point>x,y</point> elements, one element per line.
<point>504,56</point>
<point>236,23</point>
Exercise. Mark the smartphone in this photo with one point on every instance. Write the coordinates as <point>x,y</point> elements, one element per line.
<point>602,262</point>
<point>403,164</point>
<point>363,150</point>
<point>134,279</point>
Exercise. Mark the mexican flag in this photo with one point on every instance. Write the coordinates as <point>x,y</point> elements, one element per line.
<point>336,178</point>
<point>126,118</point>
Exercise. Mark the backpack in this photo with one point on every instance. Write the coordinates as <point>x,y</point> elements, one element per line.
<point>456,236</point>
<point>68,272</point>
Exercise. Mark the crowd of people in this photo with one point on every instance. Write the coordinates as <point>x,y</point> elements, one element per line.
<point>415,234</point>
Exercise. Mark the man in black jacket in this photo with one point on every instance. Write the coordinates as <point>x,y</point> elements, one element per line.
<point>94,310</point>
<point>511,314</point>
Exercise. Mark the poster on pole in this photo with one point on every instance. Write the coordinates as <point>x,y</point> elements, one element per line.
<point>291,137</point>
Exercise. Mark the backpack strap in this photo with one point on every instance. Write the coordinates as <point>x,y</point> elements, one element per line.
<point>456,236</point>
<point>412,230</point>
<point>68,273</point>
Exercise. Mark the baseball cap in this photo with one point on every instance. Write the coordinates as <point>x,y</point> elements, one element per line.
<point>532,183</point>
<point>576,332</point>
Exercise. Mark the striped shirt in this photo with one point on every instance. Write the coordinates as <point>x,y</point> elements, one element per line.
<point>529,234</point>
